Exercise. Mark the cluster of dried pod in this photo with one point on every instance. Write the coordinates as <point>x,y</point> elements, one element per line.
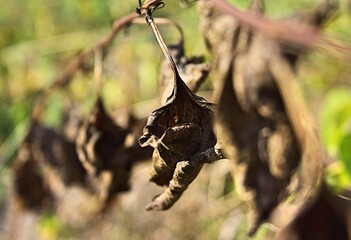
<point>98,158</point>
<point>254,113</point>
<point>97,155</point>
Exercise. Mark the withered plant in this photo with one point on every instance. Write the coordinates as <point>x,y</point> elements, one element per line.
<point>258,120</point>
<point>181,132</point>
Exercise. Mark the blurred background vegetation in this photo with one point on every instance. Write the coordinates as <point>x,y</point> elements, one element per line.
<point>37,38</point>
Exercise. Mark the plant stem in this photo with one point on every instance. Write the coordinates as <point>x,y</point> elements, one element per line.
<point>162,43</point>
<point>163,21</point>
<point>75,63</point>
<point>98,70</point>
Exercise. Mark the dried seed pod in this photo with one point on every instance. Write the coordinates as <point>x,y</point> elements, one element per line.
<point>98,138</point>
<point>182,134</point>
<point>56,151</point>
<point>49,162</point>
<point>105,153</point>
<point>179,130</point>
<point>30,188</point>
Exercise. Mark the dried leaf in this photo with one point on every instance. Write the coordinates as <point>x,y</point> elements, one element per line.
<point>45,164</point>
<point>253,121</point>
<point>56,151</point>
<point>178,131</point>
<point>98,139</point>
<point>329,217</point>
<point>29,183</point>
<point>108,151</point>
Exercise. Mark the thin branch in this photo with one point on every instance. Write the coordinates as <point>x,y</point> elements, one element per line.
<point>74,64</point>
<point>148,7</point>
<point>164,21</point>
<point>289,32</point>
<point>301,34</point>
<point>98,70</point>
<point>162,43</point>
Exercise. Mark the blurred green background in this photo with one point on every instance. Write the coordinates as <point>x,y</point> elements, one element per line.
<point>37,38</point>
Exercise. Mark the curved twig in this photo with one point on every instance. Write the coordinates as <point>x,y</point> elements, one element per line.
<point>75,63</point>
<point>287,32</point>
<point>303,35</point>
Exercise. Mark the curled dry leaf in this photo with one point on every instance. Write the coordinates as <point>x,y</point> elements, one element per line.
<point>46,162</point>
<point>100,144</point>
<point>30,189</point>
<point>98,138</point>
<point>255,122</point>
<point>178,131</point>
<point>108,151</point>
<point>249,111</point>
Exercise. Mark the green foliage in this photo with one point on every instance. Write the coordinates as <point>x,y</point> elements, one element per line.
<point>336,134</point>
<point>50,227</point>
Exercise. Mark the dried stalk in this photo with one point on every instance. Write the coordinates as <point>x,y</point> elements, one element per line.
<point>163,21</point>
<point>162,44</point>
<point>98,70</point>
<point>74,64</point>
<point>295,34</point>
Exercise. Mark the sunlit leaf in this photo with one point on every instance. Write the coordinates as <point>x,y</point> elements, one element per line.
<point>345,152</point>
<point>335,118</point>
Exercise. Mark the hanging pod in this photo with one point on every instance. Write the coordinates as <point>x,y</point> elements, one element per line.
<point>101,150</point>
<point>181,133</point>
<point>45,164</point>
<point>106,150</point>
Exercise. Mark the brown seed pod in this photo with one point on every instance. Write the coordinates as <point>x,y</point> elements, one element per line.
<point>55,150</point>
<point>45,163</point>
<point>181,133</point>
<point>100,147</point>
<point>178,131</point>
<point>97,141</point>
<point>98,138</point>
<point>30,189</point>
